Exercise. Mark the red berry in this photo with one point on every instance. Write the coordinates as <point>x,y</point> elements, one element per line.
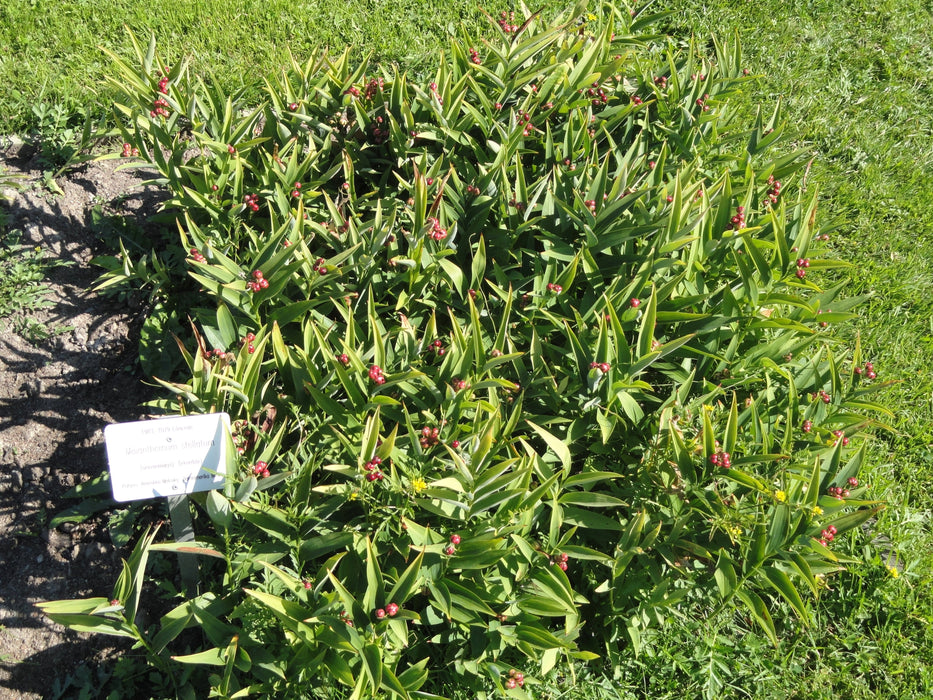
<point>449,550</point>
<point>391,609</point>
<point>634,303</point>
<point>380,613</point>
<point>455,539</point>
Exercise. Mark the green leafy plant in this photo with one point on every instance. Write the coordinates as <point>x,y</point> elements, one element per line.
<point>543,335</point>
<point>23,289</point>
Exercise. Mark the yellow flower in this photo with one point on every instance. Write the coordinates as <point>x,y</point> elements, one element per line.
<point>816,510</point>
<point>893,571</point>
<point>419,484</point>
<point>780,496</point>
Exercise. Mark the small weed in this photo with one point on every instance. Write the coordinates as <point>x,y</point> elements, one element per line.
<point>23,290</point>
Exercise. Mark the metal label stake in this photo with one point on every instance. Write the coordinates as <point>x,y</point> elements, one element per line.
<point>183,531</point>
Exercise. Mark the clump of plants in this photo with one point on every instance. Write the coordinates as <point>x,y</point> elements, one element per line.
<point>520,358</point>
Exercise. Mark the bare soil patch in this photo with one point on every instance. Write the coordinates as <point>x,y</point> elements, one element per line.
<point>56,396</point>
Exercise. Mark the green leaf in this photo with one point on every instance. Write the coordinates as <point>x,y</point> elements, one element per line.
<point>783,585</point>
<point>558,446</point>
<point>589,499</point>
<point>371,657</point>
<point>759,612</point>
<point>407,583</point>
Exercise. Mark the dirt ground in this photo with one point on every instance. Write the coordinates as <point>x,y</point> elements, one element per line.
<point>56,396</point>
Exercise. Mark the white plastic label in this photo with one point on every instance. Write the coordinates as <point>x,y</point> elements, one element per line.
<point>167,456</point>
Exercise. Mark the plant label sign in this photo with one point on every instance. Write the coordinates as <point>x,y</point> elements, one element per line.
<point>167,456</point>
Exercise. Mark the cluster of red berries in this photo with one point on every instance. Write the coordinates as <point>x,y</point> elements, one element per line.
<point>634,303</point>
<point>517,204</point>
<point>460,384</point>
<point>603,367</point>
<point>737,221</point>
<point>129,151</point>
<point>159,108</point>
<point>828,535</point>
<point>244,436</point>
<point>344,359</point>
<point>590,204</point>
<point>515,679</point>
<point>803,264</point>
<point>319,267</point>
<point>636,100</point>
<point>868,371</point>
<point>261,469</point>
<point>451,548</point>
<point>252,201</point>
<point>296,191</point>
<point>701,103</point>
<point>495,352</point>
<point>474,57</point>
<point>373,473</point>
<point>374,86</point>
<point>352,91</point>
<point>437,233</point>
<point>840,435</point>
<point>840,492</point>
<point>694,76</point>
<point>821,396</point>
<point>597,95</point>
<point>375,373</point>
<point>440,100</point>
<point>555,288</point>
<point>506,22</point>
<point>721,459</point>
<point>196,255</point>
<point>437,347</point>
<point>471,189</point>
<point>559,560</point>
<point>345,616</point>
<point>248,342</point>
<point>524,119</point>
<point>774,190</point>
<point>661,81</point>
<point>807,426</point>
<point>258,282</point>
<point>163,83</point>
<point>429,437</point>
<point>390,610</point>
<point>380,133</point>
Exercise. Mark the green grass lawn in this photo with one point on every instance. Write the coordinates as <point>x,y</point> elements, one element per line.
<point>854,79</point>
